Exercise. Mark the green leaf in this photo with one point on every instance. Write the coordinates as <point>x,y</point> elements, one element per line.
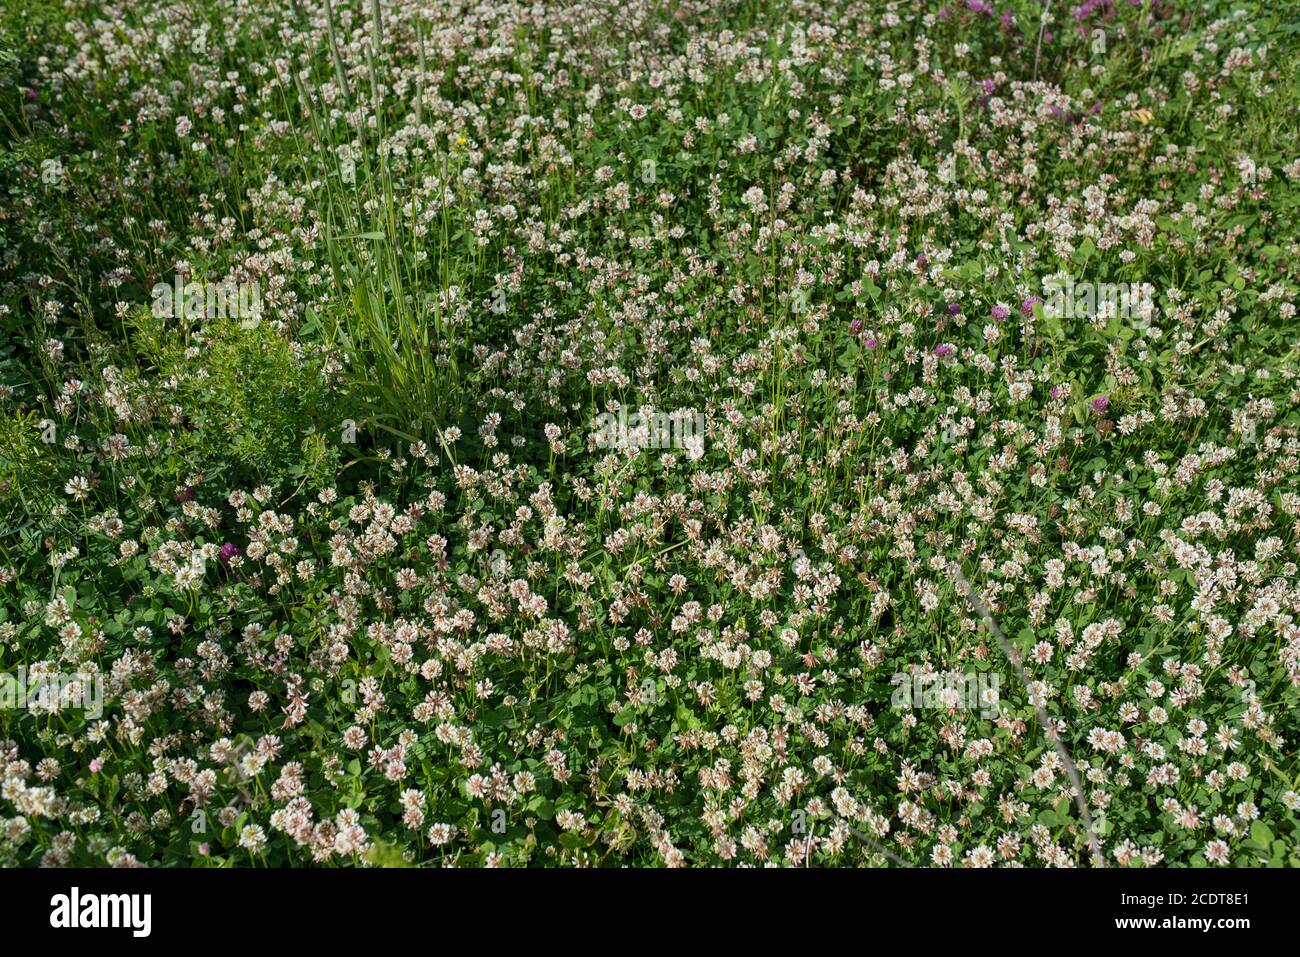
<point>1260,835</point>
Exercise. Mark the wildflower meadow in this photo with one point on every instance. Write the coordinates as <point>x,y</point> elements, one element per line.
<point>653,433</point>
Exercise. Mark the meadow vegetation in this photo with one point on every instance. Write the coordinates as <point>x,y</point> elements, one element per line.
<point>951,575</point>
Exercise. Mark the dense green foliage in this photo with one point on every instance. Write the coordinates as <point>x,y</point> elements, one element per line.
<point>361,580</point>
